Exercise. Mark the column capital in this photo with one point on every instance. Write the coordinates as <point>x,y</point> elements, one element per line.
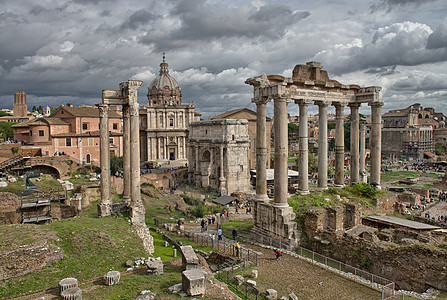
<point>322,102</point>
<point>339,104</point>
<point>282,98</point>
<point>260,100</point>
<point>103,110</point>
<point>133,109</point>
<point>375,103</point>
<point>354,104</point>
<point>303,102</point>
<point>126,111</point>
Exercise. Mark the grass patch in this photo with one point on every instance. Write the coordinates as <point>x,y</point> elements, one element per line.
<point>130,286</point>
<point>91,247</point>
<point>242,225</point>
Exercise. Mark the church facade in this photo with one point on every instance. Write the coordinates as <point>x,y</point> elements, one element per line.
<point>165,121</point>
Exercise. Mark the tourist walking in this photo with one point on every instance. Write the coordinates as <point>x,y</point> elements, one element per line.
<point>238,247</point>
<point>219,234</point>
<point>213,238</point>
<point>278,254</point>
<point>234,233</point>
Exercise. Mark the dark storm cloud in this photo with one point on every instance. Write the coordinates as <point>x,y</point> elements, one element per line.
<point>389,5</point>
<point>398,44</point>
<point>384,71</point>
<point>200,21</point>
<point>438,39</point>
<point>429,82</point>
<point>139,18</point>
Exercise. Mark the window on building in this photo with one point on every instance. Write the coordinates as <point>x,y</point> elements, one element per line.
<point>111,140</point>
<point>115,126</point>
<point>88,159</point>
<point>68,142</point>
<point>171,122</point>
<point>84,126</point>
<point>30,133</point>
<point>40,132</point>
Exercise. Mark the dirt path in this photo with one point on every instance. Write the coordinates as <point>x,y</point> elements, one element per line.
<point>307,281</point>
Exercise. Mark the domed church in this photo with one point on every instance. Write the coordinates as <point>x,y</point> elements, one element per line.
<point>165,120</point>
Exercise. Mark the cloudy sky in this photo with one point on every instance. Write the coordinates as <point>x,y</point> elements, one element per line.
<point>68,51</point>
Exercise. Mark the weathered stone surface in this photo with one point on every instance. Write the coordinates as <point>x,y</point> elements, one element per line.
<point>189,258</point>
<point>146,295</point>
<point>271,294</point>
<point>67,283</point>
<point>251,282</point>
<point>193,282</point>
<point>239,279</point>
<point>74,293</point>
<point>292,296</point>
<point>9,213</point>
<point>154,265</point>
<point>254,273</point>
<point>129,263</point>
<point>112,277</point>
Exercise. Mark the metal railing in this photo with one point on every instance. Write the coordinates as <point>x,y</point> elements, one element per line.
<point>205,239</point>
<point>374,281</point>
<point>245,290</point>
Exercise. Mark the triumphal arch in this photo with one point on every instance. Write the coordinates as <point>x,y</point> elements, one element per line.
<point>309,84</point>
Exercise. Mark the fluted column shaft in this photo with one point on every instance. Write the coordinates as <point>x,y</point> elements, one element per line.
<point>322,144</point>
<point>126,154</point>
<point>376,142</point>
<point>362,151</point>
<point>106,202</point>
<point>339,145</point>
<point>281,151</point>
<point>355,122</point>
<point>137,210</point>
<point>261,152</point>
<point>303,165</point>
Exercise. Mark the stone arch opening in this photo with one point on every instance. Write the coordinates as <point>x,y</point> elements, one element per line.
<point>88,159</point>
<point>48,170</point>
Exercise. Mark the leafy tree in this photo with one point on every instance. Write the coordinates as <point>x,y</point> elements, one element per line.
<point>313,163</point>
<point>6,130</point>
<point>40,109</point>
<point>34,109</point>
<point>292,127</point>
<point>116,164</point>
<point>2,114</point>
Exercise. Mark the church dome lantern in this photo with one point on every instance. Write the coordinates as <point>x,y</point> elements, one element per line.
<point>164,89</point>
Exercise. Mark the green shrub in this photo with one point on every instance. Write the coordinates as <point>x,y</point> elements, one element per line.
<point>15,150</point>
<point>366,263</point>
<point>199,211</point>
<point>364,190</point>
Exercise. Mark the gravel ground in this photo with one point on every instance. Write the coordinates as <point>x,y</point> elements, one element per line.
<point>307,281</point>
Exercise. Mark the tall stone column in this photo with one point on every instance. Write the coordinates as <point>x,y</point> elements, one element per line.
<point>126,154</point>
<point>222,180</point>
<point>105,207</point>
<point>261,151</point>
<point>303,165</point>
<point>355,121</point>
<point>197,177</point>
<point>281,151</point>
<point>137,211</point>
<point>339,145</point>
<point>362,153</point>
<point>376,142</point>
<point>322,144</point>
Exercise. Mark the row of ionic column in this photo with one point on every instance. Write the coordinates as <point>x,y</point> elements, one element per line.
<point>281,147</point>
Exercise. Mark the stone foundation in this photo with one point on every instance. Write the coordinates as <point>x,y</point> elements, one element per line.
<point>275,225</point>
<point>144,234</point>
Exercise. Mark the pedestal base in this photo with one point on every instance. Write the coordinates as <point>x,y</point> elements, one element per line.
<point>104,210</point>
<point>275,225</point>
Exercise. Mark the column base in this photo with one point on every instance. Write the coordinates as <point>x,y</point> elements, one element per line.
<point>275,226</point>
<point>304,192</point>
<point>126,199</point>
<point>320,189</point>
<point>262,198</point>
<point>137,214</point>
<point>340,186</point>
<point>104,210</point>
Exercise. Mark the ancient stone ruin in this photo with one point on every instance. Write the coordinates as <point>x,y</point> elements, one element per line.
<point>127,97</point>
<point>308,84</point>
